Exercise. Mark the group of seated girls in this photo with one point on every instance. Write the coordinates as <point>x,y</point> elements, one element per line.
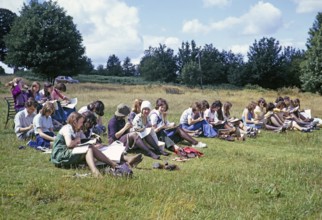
<point>284,114</point>
<point>141,127</point>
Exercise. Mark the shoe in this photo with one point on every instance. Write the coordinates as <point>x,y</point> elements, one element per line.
<point>157,166</point>
<point>164,153</point>
<point>306,130</point>
<point>43,149</point>
<point>154,156</point>
<point>199,145</point>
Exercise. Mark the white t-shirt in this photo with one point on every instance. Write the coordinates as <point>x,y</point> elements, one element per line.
<point>186,115</point>
<point>42,122</point>
<point>210,115</point>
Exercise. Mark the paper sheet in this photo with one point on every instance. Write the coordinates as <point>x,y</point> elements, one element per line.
<point>72,103</point>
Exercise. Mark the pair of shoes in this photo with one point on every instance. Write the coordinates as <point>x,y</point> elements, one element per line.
<point>166,166</point>
<point>252,134</point>
<point>199,145</point>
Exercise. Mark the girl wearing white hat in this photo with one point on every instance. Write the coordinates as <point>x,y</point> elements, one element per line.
<point>142,125</point>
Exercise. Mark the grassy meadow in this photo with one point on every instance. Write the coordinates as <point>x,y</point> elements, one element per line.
<point>275,176</point>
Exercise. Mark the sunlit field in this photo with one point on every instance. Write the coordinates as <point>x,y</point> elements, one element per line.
<point>274,176</point>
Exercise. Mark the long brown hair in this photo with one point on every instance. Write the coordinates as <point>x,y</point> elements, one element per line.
<point>74,117</point>
<point>137,106</point>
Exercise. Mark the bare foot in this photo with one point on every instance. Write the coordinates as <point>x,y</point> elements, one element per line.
<point>134,161</point>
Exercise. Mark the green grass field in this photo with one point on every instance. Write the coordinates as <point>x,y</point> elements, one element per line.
<point>275,176</point>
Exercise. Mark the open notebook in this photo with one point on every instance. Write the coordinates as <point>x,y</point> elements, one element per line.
<point>113,151</point>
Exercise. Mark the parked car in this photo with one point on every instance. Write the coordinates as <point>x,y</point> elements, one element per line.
<point>65,79</point>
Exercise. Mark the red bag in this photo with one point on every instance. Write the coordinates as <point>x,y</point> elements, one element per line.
<point>189,152</point>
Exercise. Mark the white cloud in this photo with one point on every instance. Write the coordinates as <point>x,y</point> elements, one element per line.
<point>225,24</point>
<point>155,41</point>
<point>306,6</point>
<point>6,68</point>
<point>13,5</point>
<point>262,18</point>
<point>242,49</point>
<point>293,43</point>
<point>107,26</point>
<point>195,26</point>
<point>216,3</point>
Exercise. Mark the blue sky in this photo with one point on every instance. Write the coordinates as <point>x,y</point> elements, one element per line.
<point>128,27</point>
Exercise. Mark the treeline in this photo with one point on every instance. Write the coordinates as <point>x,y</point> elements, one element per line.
<point>45,40</point>
<point>268,65</point>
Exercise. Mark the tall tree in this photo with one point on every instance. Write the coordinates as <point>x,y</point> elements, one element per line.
<point>87,66</point>
<point>113,66</point>
<point>191,74</point>
<point>234,68</point>
<point>311,67</point>
<point>212,66</point>
<point>265,62</point>
<point>292,66</point>
<point>100,70</point>
<point>6,20</point>
<point>159,64</point>
<point>45,40</point>
<point>187,53</point>
<point>128,67</point>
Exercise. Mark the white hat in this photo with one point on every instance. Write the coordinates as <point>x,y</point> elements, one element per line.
<point>145,104</point>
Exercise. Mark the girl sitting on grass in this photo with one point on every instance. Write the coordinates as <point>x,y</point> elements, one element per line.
<point>143,127</point>
<point>68,138</point>
<point>19,93</point>
<point>43,126</point>
<point>96,107</point>
<point>119,130</point>
<point>168,132</point>
<point>136,108</point>
<point>191,120</point>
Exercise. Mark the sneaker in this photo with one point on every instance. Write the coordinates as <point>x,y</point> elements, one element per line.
<point>43,149</point>
<point>306,130</point>
<point>199,145</point>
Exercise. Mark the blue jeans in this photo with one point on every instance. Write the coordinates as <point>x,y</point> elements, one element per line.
<point>194,127</point>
